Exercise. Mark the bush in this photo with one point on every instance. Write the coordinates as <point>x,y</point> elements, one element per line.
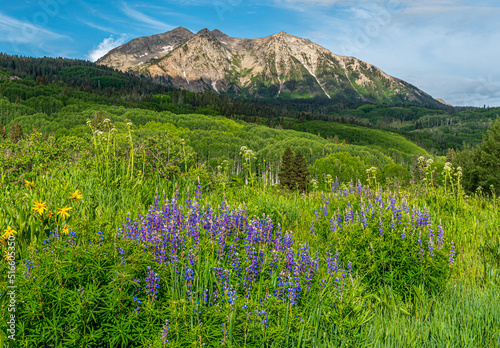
<point>387,241</point>
<point>397,173</point>
<point>339,165</point>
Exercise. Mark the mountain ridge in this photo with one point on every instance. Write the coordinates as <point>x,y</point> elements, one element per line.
<point>276,66</point>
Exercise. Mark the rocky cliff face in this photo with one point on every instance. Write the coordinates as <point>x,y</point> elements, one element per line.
<point>277,66</point>
<point>143,49</point>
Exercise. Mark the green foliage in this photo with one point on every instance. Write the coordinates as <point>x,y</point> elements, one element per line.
<point>16,132</point>
<point>391,144</point>
<point>464,316</point>
<point>300,172</point>
<point>286,169</point>
<point>162,157</point>
<point>339,165</point>
<point>80,288</point>
<point>487,160</point>
<point>397,173</point>
<point>389,246</point>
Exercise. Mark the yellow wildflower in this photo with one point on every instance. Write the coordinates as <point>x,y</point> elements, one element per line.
<point>40,207</point>
<point>64,211</point>
<point>50,214</point>
<point>9,232</point>
<point>30,184</point>
<point>65,229</point>
<point>76,195</point>
<point>6,255</point>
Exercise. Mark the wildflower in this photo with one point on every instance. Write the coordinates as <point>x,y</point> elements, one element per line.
<point>65,229</point>
<point>9,232</point>
<point>164,332</point>
<point>49,214</point>
<point>40,207</point>
<point>152,284</point>
<point>451,260</point>
<point>440,235</point>
<point>64,211</point>
<point>30,185</point>
<point>6,255</point>
<point>76,195</point>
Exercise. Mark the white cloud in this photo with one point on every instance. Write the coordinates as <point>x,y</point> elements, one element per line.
<point>145,19</point>
<point>105,46</point>
<point>24,32</point>
<point>98,27</point>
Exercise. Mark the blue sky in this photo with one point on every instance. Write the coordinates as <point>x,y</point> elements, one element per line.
<point>448,48</point>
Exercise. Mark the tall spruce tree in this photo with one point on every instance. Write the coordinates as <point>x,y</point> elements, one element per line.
<point>487,160</point>
<point>450,155</point>
<point>16,132</point>
<point>3,133</point>
<point>301,173</point>
<point>286,170</point>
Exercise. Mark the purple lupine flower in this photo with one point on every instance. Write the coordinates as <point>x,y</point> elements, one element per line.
<point>381,228</point>
<point>430,244</point>
<point>205,296</point>
<point>164,332</point>
<point>451,259</point>
<point>265,318</point>
<point>421,250</point>
<point>189,277</point>
<point>440,235</point>
<point>121,254</point>
<point>136,297</point>
<point>152,284</point>
<point>333,224</point>
<point>29,266</point>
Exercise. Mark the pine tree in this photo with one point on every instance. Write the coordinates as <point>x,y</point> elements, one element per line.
<point>450,155</point>
<point>17,100</point>
<point>3,133</point>
<point>301,173</point>
<point>286,171</point>
<point>16,132</point>
<point>336,139</point>
<point>486,160</point>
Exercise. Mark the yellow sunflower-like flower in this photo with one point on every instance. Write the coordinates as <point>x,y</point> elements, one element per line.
<point>30,185</point>
<point>6,255</point>
<point>40,207</point>
<point>9,232</point>
<point>65,229</point>
<point>76,195</point>
<point>64,211</point>
<point>49,214</point>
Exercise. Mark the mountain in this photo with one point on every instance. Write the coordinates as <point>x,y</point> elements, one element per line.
<point>141,50</point>
<point>276,66</point>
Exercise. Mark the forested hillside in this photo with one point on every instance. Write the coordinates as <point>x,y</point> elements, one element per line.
<point>57,83</point>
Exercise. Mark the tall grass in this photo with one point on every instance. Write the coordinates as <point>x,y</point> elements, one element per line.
<point>54,310</point>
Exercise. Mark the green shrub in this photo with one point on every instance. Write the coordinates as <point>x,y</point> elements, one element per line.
<point>397,173</point>
<point>339,165</point>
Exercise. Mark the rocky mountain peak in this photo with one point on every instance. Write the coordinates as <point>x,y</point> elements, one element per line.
<point>276,66</point>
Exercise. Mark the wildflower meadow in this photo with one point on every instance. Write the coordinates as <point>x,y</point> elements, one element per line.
<point>107,251</point>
